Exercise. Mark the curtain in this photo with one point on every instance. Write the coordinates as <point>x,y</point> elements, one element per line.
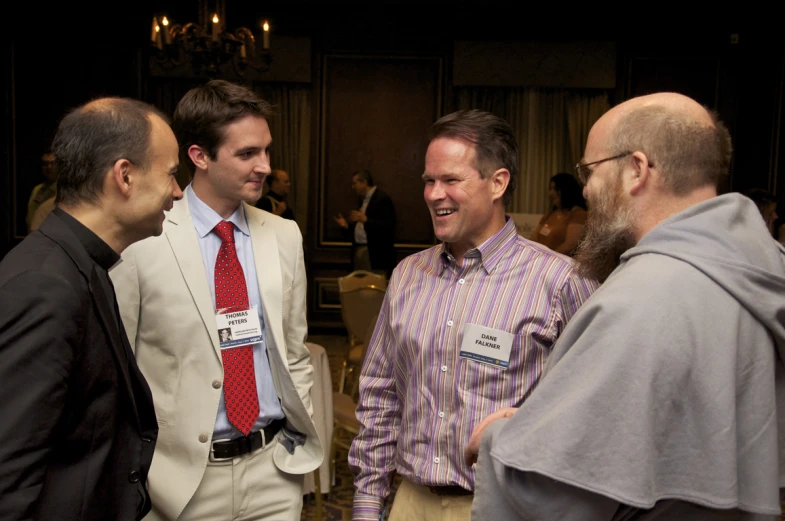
<point>551,127</point>
<point>291,131</point>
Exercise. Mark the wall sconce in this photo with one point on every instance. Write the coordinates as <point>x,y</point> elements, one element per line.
<point>208,46</point>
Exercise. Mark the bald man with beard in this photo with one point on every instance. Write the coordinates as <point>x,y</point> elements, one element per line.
<point>664,396</point>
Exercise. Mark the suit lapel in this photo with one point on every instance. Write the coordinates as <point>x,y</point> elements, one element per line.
<point>181,235</point>
<point>119,343</point>
<point>268,274</point>
<point>55,229</point>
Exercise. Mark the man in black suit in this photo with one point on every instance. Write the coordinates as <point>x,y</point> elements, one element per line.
<point>78,425</point>
<point>274,201</point>
<point>372,226</point>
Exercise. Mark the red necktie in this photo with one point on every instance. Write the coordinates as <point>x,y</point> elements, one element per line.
<point>242,402</point>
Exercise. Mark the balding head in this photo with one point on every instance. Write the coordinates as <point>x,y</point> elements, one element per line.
<point>682,139</point>
<point>91,138</point>
<point>278,182</point>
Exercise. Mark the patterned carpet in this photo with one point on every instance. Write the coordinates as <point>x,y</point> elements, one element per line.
<point>337,505</point>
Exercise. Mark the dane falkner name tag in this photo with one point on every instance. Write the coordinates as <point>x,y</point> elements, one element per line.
<point>486,345</point>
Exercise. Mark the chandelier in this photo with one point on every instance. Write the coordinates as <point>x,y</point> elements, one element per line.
<point>207,47</point>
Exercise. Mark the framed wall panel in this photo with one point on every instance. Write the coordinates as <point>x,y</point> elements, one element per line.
<point>375,115</point>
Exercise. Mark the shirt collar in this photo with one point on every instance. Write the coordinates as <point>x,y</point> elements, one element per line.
<point>368,196</point>
<point>205,218</point>
<point>101,253</point>
<point>490,252</point>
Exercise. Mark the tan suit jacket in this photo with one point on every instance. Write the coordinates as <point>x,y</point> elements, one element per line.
<point>169,315</point>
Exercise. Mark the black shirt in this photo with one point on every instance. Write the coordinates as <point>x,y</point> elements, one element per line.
<point>266,204</point>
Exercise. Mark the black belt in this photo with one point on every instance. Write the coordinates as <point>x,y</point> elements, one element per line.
<point>449,490</point>
<point>245,444</point>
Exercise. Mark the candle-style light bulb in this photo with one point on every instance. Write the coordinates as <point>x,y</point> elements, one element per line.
<point>216,21</point>
<point>265,35</point>
<point>167,35</point>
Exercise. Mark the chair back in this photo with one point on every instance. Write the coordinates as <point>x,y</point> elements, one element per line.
<point>361,279</point>
<point>361,300</point>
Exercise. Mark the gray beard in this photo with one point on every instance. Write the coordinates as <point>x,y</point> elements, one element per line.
<point>608,235</point>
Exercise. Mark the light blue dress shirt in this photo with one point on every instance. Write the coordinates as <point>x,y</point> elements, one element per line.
<point>205,219</point>
<point>360,236</point>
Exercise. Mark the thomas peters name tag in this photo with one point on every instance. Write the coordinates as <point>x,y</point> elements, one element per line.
<point>238,328</point>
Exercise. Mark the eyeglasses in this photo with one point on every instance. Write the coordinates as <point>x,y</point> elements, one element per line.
<point>584,172</point>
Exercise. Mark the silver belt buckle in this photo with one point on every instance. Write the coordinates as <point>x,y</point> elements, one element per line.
<point>212,457</point>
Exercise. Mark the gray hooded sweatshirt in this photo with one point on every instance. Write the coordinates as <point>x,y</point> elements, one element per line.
<point>664,398</point>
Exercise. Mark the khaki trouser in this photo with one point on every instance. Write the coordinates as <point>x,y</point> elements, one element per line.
<point>362,260</point>
<point>417,503</point>
<point>245,488</point>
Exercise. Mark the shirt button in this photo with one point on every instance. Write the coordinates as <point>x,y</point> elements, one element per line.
<point>444,368</point>
<point>449,323</point>
<point>436,460</point>
<point>133,477</point>
<point>441,414</point>
<point>461,281</point>
<point>216,384</point>
<point>203,438</point>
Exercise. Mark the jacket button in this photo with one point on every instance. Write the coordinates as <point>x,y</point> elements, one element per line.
<point>133,477</point>
<point>203,438</point>
<point>216,384</point>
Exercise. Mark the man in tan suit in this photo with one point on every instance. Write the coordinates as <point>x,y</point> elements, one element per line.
<point>236,434</point>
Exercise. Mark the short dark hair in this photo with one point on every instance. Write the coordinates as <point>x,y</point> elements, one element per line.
<point>570,190</point>
<point>365,176</point>
<point>91,138</point>
<point>493,140</point>
<point>204,111</point>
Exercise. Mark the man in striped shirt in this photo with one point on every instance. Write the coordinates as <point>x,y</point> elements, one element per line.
<point>464,331</point>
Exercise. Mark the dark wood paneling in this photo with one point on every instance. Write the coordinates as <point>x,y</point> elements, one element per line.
<point>327,297</point>
<point>694,76</point>
<point>757,110</point>
<point>375,112</point>
<point>60,62</point>
<point>738,73</point>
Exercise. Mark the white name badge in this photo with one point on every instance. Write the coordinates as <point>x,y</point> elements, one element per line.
<point>486,345</point>
<point>238,328</point>
<point>545,231</point>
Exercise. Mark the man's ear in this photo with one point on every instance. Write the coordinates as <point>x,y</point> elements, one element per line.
<point>122,176</point>
<point>500,180</point>
<point>639,176</point>
<point>198,156</point>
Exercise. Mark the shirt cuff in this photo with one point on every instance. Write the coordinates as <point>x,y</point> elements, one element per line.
<point>366,508</point>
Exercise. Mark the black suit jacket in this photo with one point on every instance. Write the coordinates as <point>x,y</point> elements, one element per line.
<point>380,230</point>
<point>78,426</point>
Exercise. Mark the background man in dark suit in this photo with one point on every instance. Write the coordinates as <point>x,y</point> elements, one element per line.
<point>274,201</point>
<point>79,428</point>
<point>372,226</point>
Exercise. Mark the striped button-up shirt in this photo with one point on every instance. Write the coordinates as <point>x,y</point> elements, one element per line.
<point>419,399</point>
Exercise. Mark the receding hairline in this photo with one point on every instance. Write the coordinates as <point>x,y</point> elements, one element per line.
<point>679,105</point>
